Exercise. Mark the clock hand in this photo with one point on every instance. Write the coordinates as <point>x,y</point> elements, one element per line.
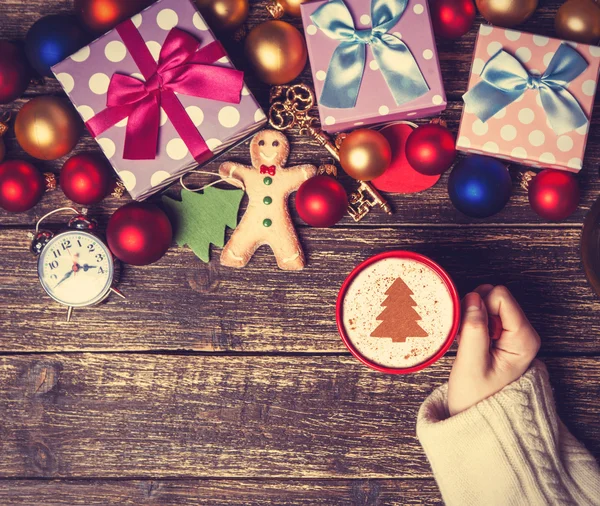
<point>86,267</point>
<point>65,277</point>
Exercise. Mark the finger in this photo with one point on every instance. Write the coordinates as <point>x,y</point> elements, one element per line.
<point>483,290</point>
<point>500,302</point>
<point>474,339</point>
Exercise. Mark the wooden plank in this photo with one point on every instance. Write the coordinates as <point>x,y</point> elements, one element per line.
<point>131,416</point>
<point>219,492</point>
<point>432,206</point>
<point>181,303</point>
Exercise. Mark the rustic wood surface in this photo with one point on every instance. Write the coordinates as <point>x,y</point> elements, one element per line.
<point>224,387</point>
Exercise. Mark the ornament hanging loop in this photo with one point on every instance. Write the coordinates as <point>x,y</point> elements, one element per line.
<point>231,180</point>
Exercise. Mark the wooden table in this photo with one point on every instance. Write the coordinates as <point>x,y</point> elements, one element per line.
<point>216,386</point>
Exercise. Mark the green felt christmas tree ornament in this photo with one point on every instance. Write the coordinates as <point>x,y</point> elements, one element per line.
<point>200,219</point>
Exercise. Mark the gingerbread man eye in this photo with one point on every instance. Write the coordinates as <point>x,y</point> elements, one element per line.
<point>275,144</point>
<point>261,143</point>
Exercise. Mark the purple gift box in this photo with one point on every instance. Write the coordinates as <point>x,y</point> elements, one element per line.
<point>376,101</point>
<point>86,75</point>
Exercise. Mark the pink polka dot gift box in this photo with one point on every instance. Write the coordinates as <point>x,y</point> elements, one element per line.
<point>530,99</point>
<point>160,96</point>
<point>372,61</point>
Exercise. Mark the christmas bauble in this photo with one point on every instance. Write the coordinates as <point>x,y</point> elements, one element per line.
<point>277,52</point>
<point>452,18</point>
<point>86,178</point>
<point>579,20</point>
<point>48,127</point>
<point>291,7</point>
<point>21,186</point>
<point>554,194</point>
<point>365,154</point>
<point>506,13</point>
<point>321,201</point>
<point>51,39</point>
<point>15,72</point>
<point>224,15</point>
<point>479,186</point>
<point>99,16</point>
<point>139,233</point>
<point>430,149</point>
<point>400,177</point>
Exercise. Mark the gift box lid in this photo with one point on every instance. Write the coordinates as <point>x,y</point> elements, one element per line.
<point>521,131</point>
<point>85,77</point>
<point>376,103</point>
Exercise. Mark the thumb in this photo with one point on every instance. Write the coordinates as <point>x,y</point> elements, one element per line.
<point>474,338</point>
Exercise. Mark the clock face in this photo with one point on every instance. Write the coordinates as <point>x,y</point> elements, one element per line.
<point>76,268</point>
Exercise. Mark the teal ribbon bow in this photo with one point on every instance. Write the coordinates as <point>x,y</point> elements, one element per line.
<point>345,72</point>
<point>504,80</point>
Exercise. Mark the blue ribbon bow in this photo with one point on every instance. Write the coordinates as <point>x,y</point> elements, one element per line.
<point>345,72</point>
<point>504,80</point>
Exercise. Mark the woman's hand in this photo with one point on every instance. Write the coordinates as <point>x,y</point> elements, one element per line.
<point>482,366</point>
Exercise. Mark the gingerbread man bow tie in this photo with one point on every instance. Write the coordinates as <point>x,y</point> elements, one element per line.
<point>267,170</point>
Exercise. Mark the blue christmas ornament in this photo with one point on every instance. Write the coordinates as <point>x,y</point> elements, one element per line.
<point>51,39</point>
<point>479,186</point>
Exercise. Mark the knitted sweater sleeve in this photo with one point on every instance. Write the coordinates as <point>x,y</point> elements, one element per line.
<point>510,449</point>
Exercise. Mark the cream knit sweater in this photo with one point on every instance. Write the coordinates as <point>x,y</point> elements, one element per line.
<point>510,449</point>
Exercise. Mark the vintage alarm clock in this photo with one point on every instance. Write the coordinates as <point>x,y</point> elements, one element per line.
<point>75,266</point>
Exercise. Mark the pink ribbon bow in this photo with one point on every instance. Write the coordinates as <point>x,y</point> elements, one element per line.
<point>181,68</point>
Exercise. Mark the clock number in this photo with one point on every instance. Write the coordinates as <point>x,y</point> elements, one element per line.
<point>100,270</point>
<point>57,253</point>
<point>78,243</point>
<point>91,248</point>
<point>66,244</point>
<point>53,276</point>
<point>53,264</point>
<point>99,257</point>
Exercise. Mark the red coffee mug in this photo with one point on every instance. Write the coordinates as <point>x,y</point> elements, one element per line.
<point>405,255</point>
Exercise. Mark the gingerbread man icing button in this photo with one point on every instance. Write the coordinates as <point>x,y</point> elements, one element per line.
<point>268,184</point>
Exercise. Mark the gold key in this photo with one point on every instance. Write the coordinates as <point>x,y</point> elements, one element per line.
<point>290,108</point>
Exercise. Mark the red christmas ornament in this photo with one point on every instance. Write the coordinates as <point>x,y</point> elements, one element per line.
<point>21,186</point>
<point>400,177</point>
<point>99,16</point>
<point>139,233</point>
<point>85,178</point>
<point>430,149</point>
<point>554,194</point>
<point>451,19</point>
<point>321,201</point>
<point>15,72</point>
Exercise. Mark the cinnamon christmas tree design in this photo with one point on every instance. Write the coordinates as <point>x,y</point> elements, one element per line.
<point>399,318</point>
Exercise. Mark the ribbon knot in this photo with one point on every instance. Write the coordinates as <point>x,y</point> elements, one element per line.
<point>534,82</point>
<point>504,80</point>
<point>364,36</point>
<point>344,75</point>
<point>182,67</point>
<point>155,83</point>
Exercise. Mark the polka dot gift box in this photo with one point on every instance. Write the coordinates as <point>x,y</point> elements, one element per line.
<point>530,99</point>
<point>160,95</point>
<point>372,61</point>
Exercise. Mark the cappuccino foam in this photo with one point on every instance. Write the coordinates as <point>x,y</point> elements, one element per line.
<point>362,308</point>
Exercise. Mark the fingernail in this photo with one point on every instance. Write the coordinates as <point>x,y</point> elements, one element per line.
<point>472,302</point>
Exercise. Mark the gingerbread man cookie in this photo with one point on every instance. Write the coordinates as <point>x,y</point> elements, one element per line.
<point>268,184</point>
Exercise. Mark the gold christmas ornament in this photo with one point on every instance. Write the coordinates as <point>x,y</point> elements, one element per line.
<point>365,154</point>
<point>4,119</point>
<point>277,8</point>
<point>277,52</point>
<point>506,13</point>
<point>47,127</point>
<point>224,15</point>
<point>579,20</point>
